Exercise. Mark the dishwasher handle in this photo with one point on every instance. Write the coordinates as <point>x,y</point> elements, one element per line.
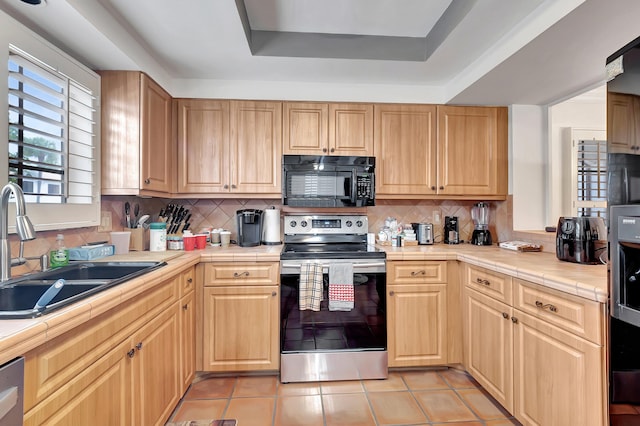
<point>8,400</point>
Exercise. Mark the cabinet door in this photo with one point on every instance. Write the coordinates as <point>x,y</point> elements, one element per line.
<point>256,147</point>
<point>488,345</point>
<point>100,395</point>
<point>241,328</point>
<point>120,130</point>
<point>472,155</point>
<point>558,377</point>
<point>405,149</point>
<point>155,137</point>
<point>417,325</point>
<point>621,125</point>
<point>305,128</point>
<point>203,146</point>
<point>156,369</point>
<point>187,341</point>
<point>351,129</point>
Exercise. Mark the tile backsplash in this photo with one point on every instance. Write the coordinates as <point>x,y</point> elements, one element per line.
<point>220,213</point>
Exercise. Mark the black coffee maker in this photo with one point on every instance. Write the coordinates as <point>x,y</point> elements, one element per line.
<point>249,223</point>
<point>451,234</point>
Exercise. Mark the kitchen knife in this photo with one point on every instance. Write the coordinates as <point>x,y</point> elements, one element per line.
<point>136,212</point>
<point>127,213</point>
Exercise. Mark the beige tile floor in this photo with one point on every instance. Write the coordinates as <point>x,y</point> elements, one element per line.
<point>419,397</point>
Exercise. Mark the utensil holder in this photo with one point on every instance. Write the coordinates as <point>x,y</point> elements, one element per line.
<point>139,239</point>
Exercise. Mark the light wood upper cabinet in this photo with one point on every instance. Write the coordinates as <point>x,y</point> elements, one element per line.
<point>622,131</point>
<point>311,128</point>
<point>136,135</point>
<point>256,147</point>
<point>203,145</point>
<point>229,147</point>
<point>405,149</point>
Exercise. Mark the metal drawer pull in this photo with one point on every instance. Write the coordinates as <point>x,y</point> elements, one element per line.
<point>189,280</point>
<point>481,281</point>
<point>391,293</point>
<point>273,293</point>
<point>139,346</point>
<point>240,275</point>
<point>185,307</point>
<point>505,315</point>
<point>549,306</point>
<point>131,353</point>
<point>514,320</point>
<point>421,272</point>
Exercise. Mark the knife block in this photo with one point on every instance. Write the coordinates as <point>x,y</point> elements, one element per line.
<point>139,239</point>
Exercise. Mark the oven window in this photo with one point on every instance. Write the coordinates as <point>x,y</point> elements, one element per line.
<point>362,328</point>
<point>630,275</point>
<point>330,184</point>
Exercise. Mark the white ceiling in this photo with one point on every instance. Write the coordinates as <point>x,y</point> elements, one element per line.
<point>496,52</point>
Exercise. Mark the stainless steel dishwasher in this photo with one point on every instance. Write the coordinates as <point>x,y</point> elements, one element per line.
<point>11,391</point>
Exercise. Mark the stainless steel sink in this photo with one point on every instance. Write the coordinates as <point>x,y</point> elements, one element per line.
<point>19,296</point>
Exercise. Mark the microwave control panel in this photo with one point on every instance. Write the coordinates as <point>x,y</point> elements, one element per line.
<point>364,186</point>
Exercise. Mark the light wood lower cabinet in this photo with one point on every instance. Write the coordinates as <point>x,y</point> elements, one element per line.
<point>241,317</point>
<point>416,313</point>
<point>534,353</point>
<point>123,367</point>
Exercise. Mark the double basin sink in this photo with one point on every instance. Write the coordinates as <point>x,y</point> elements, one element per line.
<point>37,294</point>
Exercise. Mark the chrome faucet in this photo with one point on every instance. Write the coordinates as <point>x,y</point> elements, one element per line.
<point>24,227</point>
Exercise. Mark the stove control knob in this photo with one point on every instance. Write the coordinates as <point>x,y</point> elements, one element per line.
<point>303,223</point>
<point>349,224</point>
<point>359,224</point>
<point>293,223</point>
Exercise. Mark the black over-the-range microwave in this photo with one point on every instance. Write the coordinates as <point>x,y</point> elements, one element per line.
<point>328,181</point>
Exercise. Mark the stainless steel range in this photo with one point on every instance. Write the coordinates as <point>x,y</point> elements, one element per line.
<point>330,343</point>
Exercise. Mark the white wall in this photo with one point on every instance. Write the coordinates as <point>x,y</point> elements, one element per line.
<point>527,166</point>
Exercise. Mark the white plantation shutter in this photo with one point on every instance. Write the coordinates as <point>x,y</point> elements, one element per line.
<point>590,185</point>
<point>52,143</point>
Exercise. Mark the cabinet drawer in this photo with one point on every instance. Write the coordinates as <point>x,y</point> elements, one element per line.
<point>187,281</point>
<point>416,272</point>
<point>260,273</point>
<point>493,284</point>
<point>574,314</point>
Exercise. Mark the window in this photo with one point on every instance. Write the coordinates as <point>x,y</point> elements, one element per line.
<point>590,176</point>
<point>51,133</point>
<point>52,125</point>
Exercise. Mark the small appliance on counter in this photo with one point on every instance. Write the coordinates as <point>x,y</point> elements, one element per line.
<point>271,225</point>
<point>451,233</point>
<point>581,240</point>
<point>249,222</point>
<point>424,233</point>
<point>481,234</point>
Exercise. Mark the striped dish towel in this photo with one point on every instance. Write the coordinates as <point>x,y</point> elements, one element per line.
<point>310,292</point>
<point>341,292</point>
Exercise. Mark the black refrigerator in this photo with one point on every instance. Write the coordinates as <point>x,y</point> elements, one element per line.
<point>623,214</point>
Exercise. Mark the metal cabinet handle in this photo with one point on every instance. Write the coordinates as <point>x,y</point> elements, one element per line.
<point>505,315</point>
<point>225,186</point>
<point>185,307</point>
<point>433,188</point>
<point>549,306</point>
<point>240,275</point>
<point>333,150</point>
<point>421,272</point>
<point>139,346</point>
<point>147,181</point>
<point>514,320</point>
<point>391,293</point>
<point>131,353</point>
<point>189,280</point>
<point>324,149</point>
<point>233,186</point>
<point>482,281</point>
<point>442,187</point>
<point>273,293</point>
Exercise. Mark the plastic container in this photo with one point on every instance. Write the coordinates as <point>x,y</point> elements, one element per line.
<point>158,236</point>
<point>60,255</point>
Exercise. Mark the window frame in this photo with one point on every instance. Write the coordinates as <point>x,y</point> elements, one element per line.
<point>576,202</point>
<point>49,216</point>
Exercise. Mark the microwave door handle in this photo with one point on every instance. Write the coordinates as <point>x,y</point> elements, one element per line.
<point>625,186</point>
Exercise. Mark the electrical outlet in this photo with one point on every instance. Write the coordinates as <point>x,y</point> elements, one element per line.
<point>437,217</point>
<point>105,222</point>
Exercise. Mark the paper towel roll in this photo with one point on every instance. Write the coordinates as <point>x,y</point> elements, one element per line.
<point>271,227</point>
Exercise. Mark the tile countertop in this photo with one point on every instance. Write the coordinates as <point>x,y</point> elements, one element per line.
<point>22,335</point>
<point>588,281</point>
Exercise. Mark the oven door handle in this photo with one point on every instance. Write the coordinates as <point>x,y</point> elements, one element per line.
<point>355,265</point>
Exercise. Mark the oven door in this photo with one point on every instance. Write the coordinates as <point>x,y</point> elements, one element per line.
<point>625,263</point>
<point>319,188</point>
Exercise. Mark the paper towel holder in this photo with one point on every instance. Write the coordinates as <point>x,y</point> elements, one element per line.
<point>271,227</point>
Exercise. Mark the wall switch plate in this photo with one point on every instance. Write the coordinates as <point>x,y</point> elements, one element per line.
<point>437,217</point>
<point>105,222</point>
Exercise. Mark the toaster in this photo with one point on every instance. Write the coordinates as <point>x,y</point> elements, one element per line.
<point>581,240</point>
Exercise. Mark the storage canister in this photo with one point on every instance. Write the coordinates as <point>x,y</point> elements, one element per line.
<point>157,236</point>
